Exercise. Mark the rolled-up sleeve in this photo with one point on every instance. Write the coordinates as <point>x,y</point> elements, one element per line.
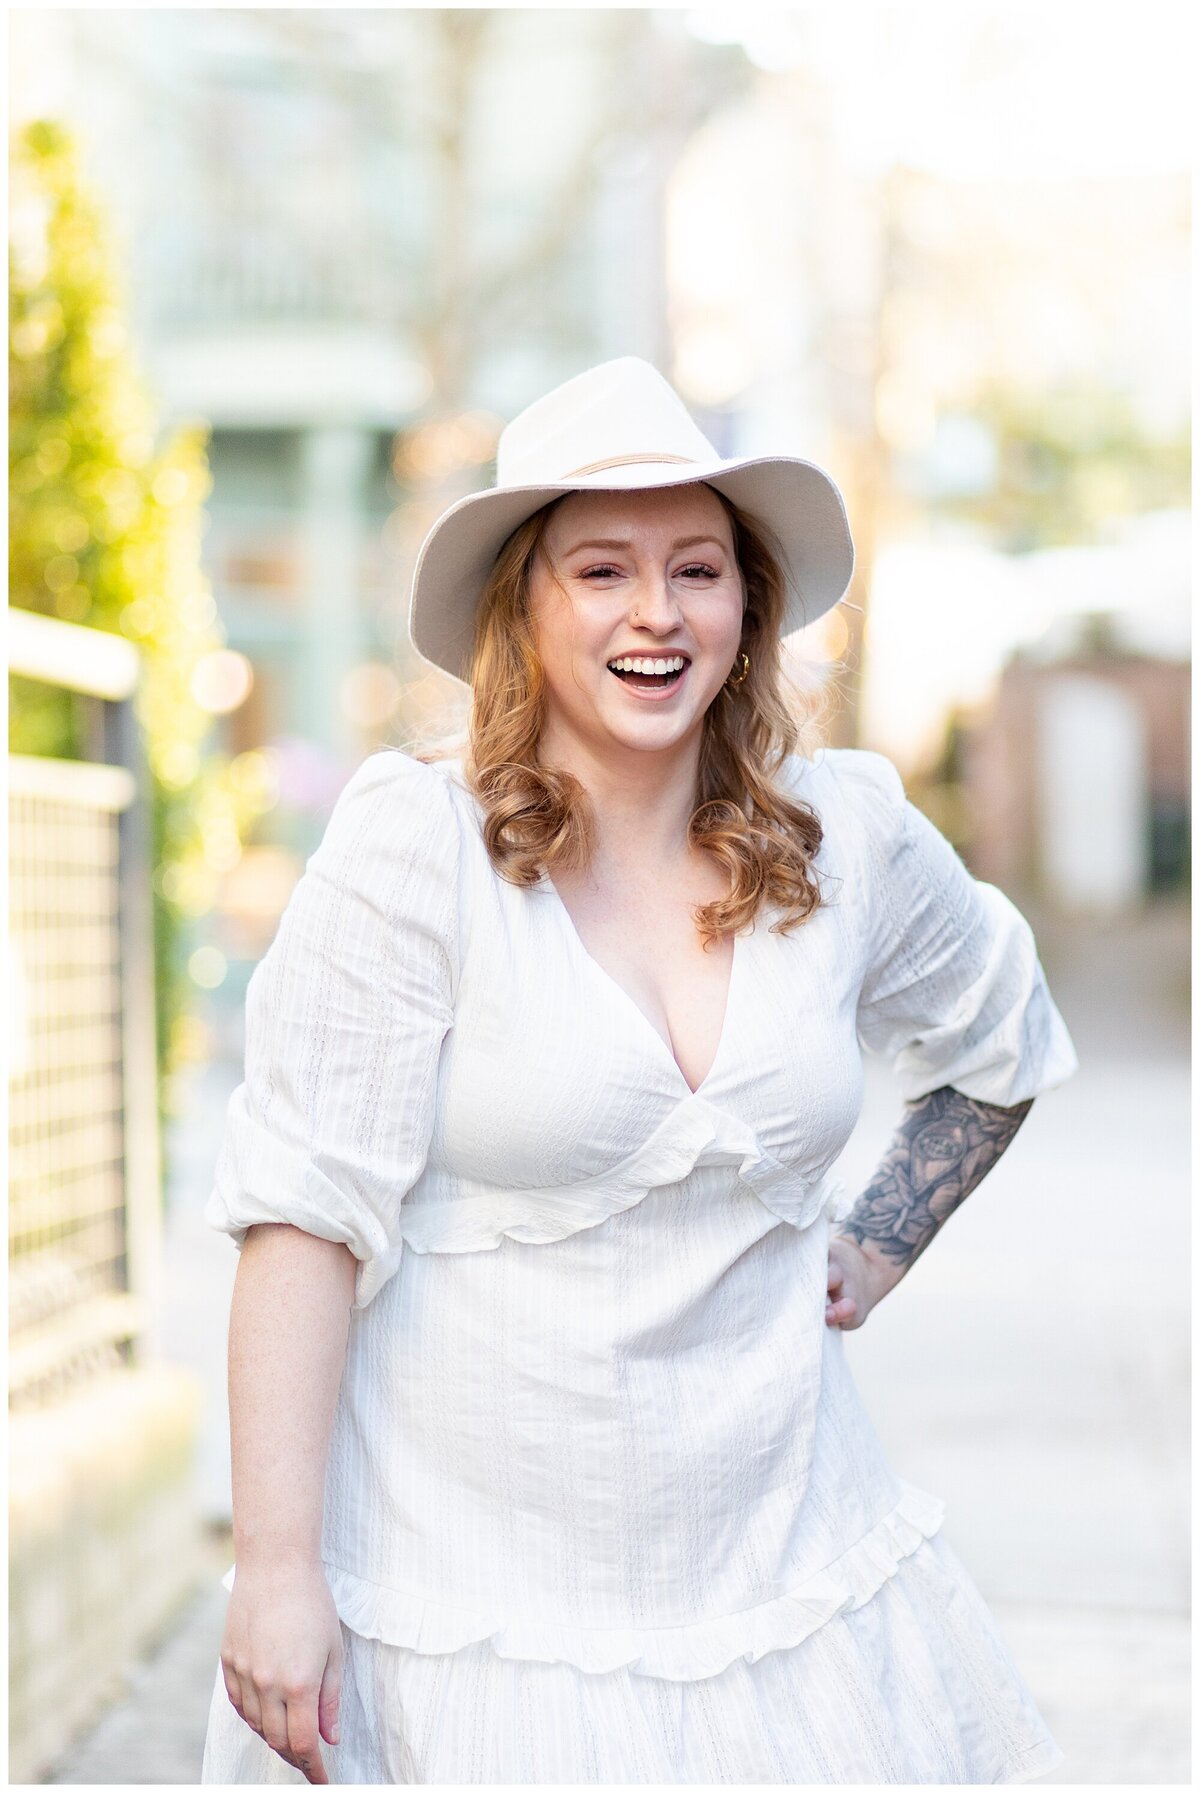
<point>345,1019</point>
<point>954,992</point>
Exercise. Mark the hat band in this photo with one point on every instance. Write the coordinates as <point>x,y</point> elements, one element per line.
<point>630,460</point>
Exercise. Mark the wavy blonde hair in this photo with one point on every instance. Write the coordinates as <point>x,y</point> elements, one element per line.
<point>537,817</point>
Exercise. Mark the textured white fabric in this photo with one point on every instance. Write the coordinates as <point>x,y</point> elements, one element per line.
<point>916,1687</point>
<point>594,1445</point>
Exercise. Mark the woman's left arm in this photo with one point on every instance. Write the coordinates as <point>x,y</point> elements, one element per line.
<point>943,1148</point>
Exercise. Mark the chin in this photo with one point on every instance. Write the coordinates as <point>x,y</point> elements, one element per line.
<point>652,739</point>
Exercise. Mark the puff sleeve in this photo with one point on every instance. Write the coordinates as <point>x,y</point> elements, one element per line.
<point>953,992</point>
<point>345,1017</point>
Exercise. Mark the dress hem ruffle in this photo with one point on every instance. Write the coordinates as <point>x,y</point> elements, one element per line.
<point>1033,1763</point>
<point>690,1652</point>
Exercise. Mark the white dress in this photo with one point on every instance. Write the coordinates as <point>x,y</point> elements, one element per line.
<point>602,1502</point>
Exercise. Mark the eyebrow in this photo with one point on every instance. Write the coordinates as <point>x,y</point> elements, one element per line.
<point>684,541</point>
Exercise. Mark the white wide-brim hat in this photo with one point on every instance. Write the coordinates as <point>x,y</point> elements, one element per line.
<point>620,427</point>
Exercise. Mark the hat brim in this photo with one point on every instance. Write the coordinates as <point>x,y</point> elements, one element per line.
<point>796,499</point>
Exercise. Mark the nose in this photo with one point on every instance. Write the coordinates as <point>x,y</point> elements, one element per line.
<point>654,605</point>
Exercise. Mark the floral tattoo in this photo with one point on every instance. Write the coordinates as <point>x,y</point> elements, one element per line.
<point>942,1149</point>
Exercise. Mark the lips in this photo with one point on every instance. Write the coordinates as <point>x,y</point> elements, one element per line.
<point>650,684</point>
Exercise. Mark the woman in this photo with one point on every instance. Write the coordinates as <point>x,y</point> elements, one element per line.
<point>548,1466</point>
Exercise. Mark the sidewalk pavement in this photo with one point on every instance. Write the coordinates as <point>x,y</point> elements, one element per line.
<point>1032,1369</point>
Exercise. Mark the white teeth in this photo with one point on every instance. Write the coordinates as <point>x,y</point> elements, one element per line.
<point>675,664</point>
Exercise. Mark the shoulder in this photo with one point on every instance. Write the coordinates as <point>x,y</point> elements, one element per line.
<point>392,775</point>
<point>393,810</point>
<point>849,788</point>
<point>858,797</point>
<point>391,782</point>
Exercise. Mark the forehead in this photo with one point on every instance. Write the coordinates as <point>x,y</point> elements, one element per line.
<point>640,515</point>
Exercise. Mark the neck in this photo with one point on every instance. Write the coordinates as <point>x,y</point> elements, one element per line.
<point>642,801</point>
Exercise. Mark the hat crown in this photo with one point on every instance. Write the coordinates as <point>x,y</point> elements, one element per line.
<point>620,412</point>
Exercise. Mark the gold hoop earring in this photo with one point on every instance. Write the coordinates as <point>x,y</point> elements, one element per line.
<point>731,684</point>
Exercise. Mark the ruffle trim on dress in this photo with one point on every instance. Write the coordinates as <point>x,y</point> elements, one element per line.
<point>695,1135</point>
<point>675,1653</point>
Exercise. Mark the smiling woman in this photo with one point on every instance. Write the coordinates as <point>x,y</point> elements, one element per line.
<point>584,1491</point>
<point>652,595</point>
<point>657,888</point>
<point>596,577</point>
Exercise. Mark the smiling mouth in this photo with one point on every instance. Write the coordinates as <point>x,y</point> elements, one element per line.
<point>648,672</point>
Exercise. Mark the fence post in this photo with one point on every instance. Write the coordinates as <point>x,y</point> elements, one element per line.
<point>143,1169</point>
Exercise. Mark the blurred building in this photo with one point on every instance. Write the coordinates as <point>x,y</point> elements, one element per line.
<point>355,243</point>
<point>1077,778</point>
<point>934,309</point>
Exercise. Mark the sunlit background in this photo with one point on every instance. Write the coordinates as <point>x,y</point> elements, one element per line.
<point>279,277</point>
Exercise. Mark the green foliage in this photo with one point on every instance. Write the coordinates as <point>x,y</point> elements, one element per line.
<point>1073,459</point>
<point>105,530</point>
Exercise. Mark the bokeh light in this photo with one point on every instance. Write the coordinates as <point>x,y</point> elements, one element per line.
<point>222,681</point>
<point>207,967</point>
<point>445,445</point>
<point>370,695</point>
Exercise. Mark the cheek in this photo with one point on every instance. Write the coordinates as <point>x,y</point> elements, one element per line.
<point>577,642</point>
<point>722,626</point>
<point>562,645</point>
<point>555,633</point>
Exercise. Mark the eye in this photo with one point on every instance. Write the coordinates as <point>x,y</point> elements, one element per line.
<point>697,569</point>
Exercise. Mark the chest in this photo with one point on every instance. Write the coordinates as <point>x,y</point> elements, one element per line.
<point>568,1051</point>
<point>644,938</point>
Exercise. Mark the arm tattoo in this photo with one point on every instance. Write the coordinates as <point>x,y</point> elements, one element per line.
<point>942,1149</point>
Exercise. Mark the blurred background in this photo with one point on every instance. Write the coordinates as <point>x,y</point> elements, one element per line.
<point>277,278</point>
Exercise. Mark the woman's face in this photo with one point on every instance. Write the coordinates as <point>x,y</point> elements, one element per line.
<point>645,575</point>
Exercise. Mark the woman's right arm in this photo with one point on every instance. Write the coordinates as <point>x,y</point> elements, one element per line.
<point>345,1019</point>
<point>282,1651</point>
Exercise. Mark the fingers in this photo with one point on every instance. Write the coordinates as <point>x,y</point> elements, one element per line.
<point>303,1747</point>
<point>274,1728</point>
<point>841,1312</point>
<point>232,1687</point>
<point>290,1729</point>
<point>842,1309</point>
<point>838,1305</point>
<point>330,1698</point>
<point>251,1706</point>
<point>286,1724</point>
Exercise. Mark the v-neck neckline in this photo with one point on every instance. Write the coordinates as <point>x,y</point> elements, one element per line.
<point>548,885</point>
<point>606,979</point>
